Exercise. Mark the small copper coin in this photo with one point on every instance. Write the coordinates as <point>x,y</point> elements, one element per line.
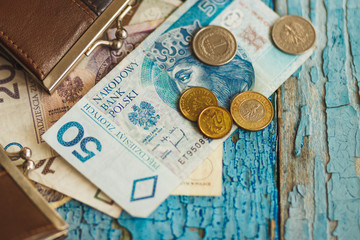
<point>215,122</point>
<point>214,45</point>
<point>194,100</point>
<point>251,111</point>
<point>293,34</point>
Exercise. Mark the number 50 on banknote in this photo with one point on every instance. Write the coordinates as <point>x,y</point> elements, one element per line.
<point>78,139</point>
<point>127,135</point>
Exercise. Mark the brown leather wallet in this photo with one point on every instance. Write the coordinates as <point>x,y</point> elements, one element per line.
<point>48,37</point>
<point>24,214</point>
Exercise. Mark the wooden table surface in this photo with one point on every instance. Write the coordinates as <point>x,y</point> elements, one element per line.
<point>298,178</point>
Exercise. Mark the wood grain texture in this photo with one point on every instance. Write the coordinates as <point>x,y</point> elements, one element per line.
<point>319,127</point>
<point>247,208</point>
<point>319,156</point>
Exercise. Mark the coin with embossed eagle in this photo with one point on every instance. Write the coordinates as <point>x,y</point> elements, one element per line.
<point>293,34</point>
<point>251,111</point>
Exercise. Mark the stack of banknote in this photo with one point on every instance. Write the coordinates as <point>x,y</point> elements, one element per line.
<point>114,136</point>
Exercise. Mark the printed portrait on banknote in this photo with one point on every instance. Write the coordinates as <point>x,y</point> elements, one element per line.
<point>172,52</point>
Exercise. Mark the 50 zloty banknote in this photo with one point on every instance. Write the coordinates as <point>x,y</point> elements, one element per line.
<point>28,111</point>
<point>36,116</point>
<point>127,136</point>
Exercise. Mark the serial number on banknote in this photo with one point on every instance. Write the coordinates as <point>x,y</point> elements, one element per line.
<point>193,149</point>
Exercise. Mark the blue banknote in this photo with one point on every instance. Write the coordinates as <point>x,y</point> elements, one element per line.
<point>127,135</point>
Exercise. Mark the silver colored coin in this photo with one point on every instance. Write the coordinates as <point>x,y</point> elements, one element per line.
<point>293,34</point>
<point>214,45</point>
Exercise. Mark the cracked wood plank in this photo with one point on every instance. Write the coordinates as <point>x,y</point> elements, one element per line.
<point>247,209</point>
<point>319,155</point>
<point>319,118</point>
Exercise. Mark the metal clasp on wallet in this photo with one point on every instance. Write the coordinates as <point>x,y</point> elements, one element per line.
<point>120,34</point>
<point>25,153</point>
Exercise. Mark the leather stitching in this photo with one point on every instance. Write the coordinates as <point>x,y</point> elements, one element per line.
<point>92,4</point>
<point>22,52</point>
<point>84,10</point>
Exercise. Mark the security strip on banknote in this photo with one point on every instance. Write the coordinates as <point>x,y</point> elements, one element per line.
<point>127,136</point>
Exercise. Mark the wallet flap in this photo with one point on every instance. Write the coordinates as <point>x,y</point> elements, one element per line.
<point>39,33</point>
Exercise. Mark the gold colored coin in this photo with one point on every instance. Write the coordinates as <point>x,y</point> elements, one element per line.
<point>214,45</point>
<point>293,34</point>
<point>251,111</point>
<point>194,100</point>
<point>215,122</point>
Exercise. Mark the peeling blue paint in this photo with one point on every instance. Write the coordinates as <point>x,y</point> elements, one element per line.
<point>321,222</point>
<point>337,92</point>
<point>294,7</point>
<point>314,75</point>
<point>332,100</point>
<point>342,118</point>
<point>245,209</point>
<point>87,223</point>
<point>342,126</point>
<point>357,144</point>
<point>297,226</point>
<point>249,200</point>
<point>303,130</point>
<point>353,19</point>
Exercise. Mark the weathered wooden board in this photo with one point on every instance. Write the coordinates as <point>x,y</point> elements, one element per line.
<point>247,208</point>
<point>318,126</point>
<point>319,156</point>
